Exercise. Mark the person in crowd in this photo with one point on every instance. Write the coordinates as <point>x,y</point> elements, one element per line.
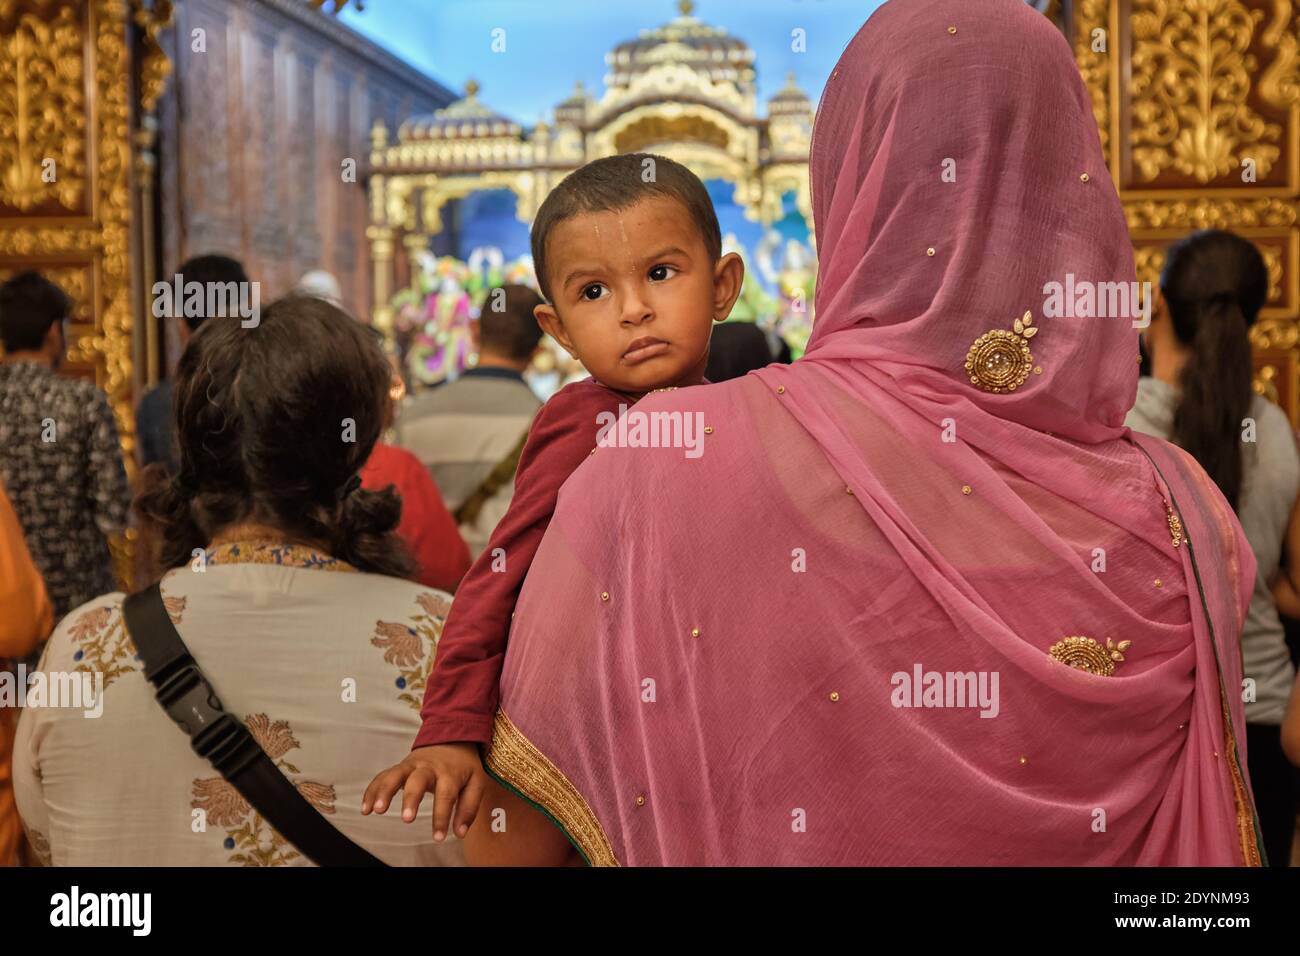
<point>637,314</point>
<point>286,581</point>
<point>153,417</point>
<point>968,628</point>
<point>736,349</point>
<point>60,459</point>
<point>427,527</point>
<point>321,284</point>
<point>469,432</point>
<point>26,617</point>
<point>1199,396</point>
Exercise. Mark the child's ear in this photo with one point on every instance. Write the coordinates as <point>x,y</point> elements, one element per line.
<point>549,320</point>
<point>728,276</point>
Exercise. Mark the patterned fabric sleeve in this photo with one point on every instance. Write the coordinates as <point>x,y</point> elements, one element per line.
<point>108,486</point>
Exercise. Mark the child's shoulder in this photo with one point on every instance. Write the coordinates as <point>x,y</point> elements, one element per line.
<point>580,398</point>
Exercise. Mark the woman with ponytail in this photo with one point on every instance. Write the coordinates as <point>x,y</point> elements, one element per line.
<point>1199,396</point>
<point>289,585</point>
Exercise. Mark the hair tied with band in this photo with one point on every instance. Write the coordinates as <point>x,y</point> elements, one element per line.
<point>349,486</point>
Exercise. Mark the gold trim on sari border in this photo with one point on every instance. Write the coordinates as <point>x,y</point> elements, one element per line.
<point>1245,814</point>
<point>514,759</point>
<point>1246,830</point>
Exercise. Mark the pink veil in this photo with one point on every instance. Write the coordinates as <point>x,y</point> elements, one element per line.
<point>836,636</point>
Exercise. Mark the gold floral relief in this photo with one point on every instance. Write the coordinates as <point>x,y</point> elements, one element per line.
<point>112,338</point>
<point>1191,76</point>
<point>1265,383</point>
<point>1273,263</point>
<point>1279,84</point>
<point>1092,52</point>
<point>1204,212</point>
<point>155,68</point>
<point>42,113</point>
<point>1149,260</point>
<point>1279,333</point>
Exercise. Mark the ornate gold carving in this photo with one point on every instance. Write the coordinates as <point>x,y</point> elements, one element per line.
<point>1085,654</point>
<point>514,759</point>
<point>1204,212</point>
<point>44,107</point>
<point>154,65</point>
<point>1273,262</point>
<point>42,113</point>
<point>1095,66</point>
<point>1000,361</point>
<point>1265,383</point>
<point>29,241</point>
<point>1149,260</point>
<point>1190,79</point>
<point>1280,85</point>
<point>1283,334</point>
<point>660,130</point>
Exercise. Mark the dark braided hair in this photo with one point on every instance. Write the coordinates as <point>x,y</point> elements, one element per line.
<point>274,423</point>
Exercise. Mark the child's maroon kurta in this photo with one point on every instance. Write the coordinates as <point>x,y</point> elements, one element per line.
<point>460,698</point>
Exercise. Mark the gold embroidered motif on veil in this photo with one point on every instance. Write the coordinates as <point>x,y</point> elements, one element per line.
<point>1000,361</point>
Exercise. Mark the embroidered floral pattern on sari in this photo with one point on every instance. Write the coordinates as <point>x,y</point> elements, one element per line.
<point>255,842</point>
<point>410,646</point>
<point>102,643</point>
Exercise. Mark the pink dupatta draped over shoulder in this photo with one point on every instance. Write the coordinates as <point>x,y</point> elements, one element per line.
<point>835,636</point>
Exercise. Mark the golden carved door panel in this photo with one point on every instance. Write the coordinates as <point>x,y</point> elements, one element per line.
<point>1197,103</point>
<point>65,199</point>
<point>64,167</point>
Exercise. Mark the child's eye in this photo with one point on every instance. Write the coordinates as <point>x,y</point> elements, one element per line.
<point>594,291</point>
<point>660,273</point>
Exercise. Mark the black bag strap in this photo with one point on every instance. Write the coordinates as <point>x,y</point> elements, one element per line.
<point>222,739</point>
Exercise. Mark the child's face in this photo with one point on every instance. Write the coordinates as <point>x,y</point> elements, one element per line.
<point>634,294</point>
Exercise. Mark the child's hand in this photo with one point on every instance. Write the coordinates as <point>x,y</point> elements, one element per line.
<point>451,772</point>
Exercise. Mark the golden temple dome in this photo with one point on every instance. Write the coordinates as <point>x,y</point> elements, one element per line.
<point>789,99</point>
<point>465,118</point>
<point>688,41</point>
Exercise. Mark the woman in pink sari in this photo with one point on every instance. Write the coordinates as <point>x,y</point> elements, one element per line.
<point>923,599</point>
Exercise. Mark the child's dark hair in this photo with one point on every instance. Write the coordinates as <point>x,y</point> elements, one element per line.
<point>617,182</point>
<point>1214,283</point>
<point>274,423</point>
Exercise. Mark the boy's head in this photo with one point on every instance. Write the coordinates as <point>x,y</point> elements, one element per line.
<point>628,254</point>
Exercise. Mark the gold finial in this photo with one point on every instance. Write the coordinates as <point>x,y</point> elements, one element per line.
<point>471,89</point>
<point>685,7</point>
<point>578,88</point>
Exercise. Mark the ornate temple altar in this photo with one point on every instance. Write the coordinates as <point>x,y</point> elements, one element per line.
<point>685,90</point>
